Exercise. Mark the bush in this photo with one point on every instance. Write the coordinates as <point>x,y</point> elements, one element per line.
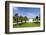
<point>36,22</point>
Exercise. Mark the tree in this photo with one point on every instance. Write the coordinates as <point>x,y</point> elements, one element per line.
<point>25,19</point>
<point>16,17</point>
<point>21,18</point>
<point>37,18</point>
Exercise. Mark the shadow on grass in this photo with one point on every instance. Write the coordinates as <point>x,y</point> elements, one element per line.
<point>36,22</point>
<point>31,24</point>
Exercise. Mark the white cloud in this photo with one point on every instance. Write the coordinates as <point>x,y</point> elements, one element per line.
<point>15,8</point>
<point>30,15</point>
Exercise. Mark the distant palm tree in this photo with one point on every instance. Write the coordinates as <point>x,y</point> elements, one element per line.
<point>37,18</point>
<point>25,19</point>
<point>21,18</point>
<point>14,19</point>
<point>16,16</point>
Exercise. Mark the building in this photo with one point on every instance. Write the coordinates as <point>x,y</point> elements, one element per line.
<point>30,20</point>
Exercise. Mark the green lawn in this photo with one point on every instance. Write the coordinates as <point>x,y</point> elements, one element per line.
<point>28,24</point>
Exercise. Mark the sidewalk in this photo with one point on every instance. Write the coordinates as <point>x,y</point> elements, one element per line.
<point>26,21</point>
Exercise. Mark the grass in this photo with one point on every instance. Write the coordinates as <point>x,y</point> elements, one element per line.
<point>28,24</point>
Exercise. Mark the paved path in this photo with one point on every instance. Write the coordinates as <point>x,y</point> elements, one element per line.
<point>26,21</point>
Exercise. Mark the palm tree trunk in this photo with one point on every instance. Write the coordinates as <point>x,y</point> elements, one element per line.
<point>21,21</point>
<point>25,21</point>
<point>17,20</point>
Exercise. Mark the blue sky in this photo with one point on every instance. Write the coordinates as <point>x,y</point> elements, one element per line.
<point>26,11</point>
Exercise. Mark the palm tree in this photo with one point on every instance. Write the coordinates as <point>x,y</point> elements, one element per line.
<point>21,19</point>
<point>25,19</point>
<point>37,18</point>
<point>16,17</point>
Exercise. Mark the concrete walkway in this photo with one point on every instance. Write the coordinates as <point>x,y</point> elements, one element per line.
<point>26,21</point>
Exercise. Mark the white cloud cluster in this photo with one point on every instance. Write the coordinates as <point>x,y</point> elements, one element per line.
<point>30,15</point>
<point>15,8</point>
